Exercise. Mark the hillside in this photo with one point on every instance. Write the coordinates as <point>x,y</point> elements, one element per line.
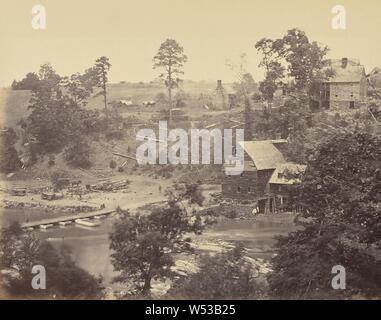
<point>14,106</point>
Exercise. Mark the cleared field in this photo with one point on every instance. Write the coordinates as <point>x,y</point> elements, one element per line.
<point>14,104</point>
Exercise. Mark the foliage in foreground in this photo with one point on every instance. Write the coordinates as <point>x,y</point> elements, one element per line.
<point>340,194</point>
<point>9,160</point>
<point>20,251</point>
<point>143,245</point>
<point>222,276</point>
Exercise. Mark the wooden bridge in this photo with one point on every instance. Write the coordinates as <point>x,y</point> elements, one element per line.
<point>68,218</point>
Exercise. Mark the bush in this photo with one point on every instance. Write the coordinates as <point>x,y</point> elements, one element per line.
<point>9,159</point>
<point>20,250</point>
<point>223,276</point>
<point>161,98</point>
<point>112,164</point>
<point>77,154</point>
<point>257,97</point>
<point>52,160</point>
<point>60,179</point>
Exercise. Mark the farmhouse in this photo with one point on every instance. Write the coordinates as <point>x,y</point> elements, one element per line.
<point>347,87</point>
<point>266,176</point>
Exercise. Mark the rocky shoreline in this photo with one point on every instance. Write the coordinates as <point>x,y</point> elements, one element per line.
<point>12,204</point>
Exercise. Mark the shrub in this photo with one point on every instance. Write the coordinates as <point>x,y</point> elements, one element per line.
<point>112,164</point>
<point>59,179</point>
<point>9,159</point>
<point>77,154</point>
<point>223,276</point>
<point>161,98</point>
<point>51,161</point>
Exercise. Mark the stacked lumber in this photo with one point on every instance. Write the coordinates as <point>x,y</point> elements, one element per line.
<point>110,185</point>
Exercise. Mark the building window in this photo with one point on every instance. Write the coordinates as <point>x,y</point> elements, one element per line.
<point>238,189</point>
<point>248,190</point>
<point>352,104</point>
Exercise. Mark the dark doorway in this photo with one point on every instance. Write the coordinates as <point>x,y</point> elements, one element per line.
<point>261,206</point>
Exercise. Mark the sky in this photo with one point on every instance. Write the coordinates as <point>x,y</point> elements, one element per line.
<point>211,32</point>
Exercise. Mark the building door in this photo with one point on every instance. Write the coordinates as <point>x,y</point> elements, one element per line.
<point>262,206</point>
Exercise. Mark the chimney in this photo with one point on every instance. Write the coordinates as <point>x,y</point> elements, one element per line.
<point>219,84</point>
<point>344,62</point>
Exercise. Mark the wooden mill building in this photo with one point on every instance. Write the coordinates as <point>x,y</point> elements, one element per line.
<point>265,178</point>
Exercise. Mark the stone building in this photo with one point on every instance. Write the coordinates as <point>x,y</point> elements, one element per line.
<point>347,88</point>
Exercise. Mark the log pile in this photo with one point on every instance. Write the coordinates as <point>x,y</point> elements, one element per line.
<point>110,185</point>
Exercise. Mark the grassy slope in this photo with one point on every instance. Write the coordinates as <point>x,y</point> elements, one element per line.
<point>14,106</point>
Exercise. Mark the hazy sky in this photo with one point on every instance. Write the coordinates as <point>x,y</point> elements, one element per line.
<point>211,31</point>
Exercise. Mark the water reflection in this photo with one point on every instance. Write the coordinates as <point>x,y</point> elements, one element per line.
<point>90,245</point>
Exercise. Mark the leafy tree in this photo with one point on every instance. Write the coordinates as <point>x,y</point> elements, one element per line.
<point>222,276</point>
<point>28,83</point>
<point>246,86</point>
<point>144,245</point>
<point>20,251</point>
<point>9,244</point>
<point>288,121</point>
<point>57,116</point>
<point>79,87</point>
<point>340,196</point>
<point>305,62</point>
<point>46,123</point>
<point>272,80</point>
<point>171,58</point>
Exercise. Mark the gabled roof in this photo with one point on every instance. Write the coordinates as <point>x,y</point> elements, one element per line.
<point>263,153</point>
<point>288,173</point>
<point>353,72</point>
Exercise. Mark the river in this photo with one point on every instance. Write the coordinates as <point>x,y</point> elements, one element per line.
<point>90,246</point>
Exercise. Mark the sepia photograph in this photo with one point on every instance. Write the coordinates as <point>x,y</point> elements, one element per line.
<point>207,150</point>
